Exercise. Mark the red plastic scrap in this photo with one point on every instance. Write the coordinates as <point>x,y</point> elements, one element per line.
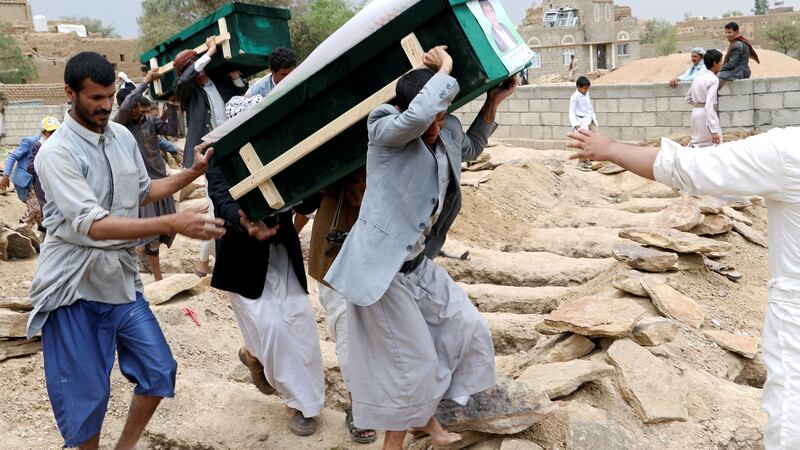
<point>187,311</point>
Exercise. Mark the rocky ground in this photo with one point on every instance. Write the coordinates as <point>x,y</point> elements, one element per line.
<point>597,290</point>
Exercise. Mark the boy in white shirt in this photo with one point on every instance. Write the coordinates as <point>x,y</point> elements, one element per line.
<point>582,115</point>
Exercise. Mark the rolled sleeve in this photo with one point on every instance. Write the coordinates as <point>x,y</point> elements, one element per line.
<point>65,185</point>
<point>753,166</point>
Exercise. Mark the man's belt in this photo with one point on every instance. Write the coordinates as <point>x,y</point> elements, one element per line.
<point>409,266</point>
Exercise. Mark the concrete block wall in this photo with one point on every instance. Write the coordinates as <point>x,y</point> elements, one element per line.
<point>639,112</point>
<point>24,121</point>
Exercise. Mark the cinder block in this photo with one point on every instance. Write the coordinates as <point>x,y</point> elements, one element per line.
<point>629,105</point>
<point>763,118</point>
<point>737,87</point>
<point>518,105</point>
<point>502,132</point>
<point>613,132</point>
<point>520,132</point>
<point>530,118</point>
<point>677,104</point>
<point>650,105</point>
<point>643,120</point>
<point>736,103</point>
<point>540,105</point>
<point>606,105</point>
<point>672,119</point>
<point>656,132</point>
<point>768,101</point>
<point>791,100</point>
<point>633,134</point>
<point>552,119</point>
<point>622,119</point>
<point>543,133</point>
<point>509,118</point>
<point>662,104</point>
<point>664,90</point>
<point>760,86</point>
<point>737,119</point>
<point>559,105</point>
<point>786,84</point>
<point>786,118</point>
<point>525,92</point>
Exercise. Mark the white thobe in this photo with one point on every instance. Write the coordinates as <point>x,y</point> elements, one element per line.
<point>280,329</point>
<point>581,112</point>
<point>705,121</point>
<point>767,165</point>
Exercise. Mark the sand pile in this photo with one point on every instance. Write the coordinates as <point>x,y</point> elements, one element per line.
<point>665,68</point>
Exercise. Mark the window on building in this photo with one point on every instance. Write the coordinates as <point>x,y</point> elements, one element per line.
<point>622,49</point>
<point>609,15</point>
<point>597,12</point>
<point>536,60</point>
<point>121,58</point>
<point>568,54</point>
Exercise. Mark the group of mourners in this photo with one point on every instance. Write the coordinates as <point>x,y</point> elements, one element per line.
<point>407,337</point>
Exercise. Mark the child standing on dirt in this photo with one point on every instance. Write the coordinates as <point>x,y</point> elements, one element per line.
<point>582,115</point>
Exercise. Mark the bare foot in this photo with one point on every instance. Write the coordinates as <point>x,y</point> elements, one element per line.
<point>439,435</point>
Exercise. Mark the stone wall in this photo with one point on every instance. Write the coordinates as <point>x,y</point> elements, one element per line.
<point>15,11</point>
<point>23,121</point>
<point>538,116</point>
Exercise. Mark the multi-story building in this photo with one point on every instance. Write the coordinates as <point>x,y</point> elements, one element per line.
<point>13,11</point>
<point>598,33</point>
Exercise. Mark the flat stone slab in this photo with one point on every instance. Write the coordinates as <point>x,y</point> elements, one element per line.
<point>630,281</point>
<point>678,241</point>
<point>12,348</point>
<point>507,408</point>
<point>673,304</point>
<point>737,215</point>
<point>602,317</point>
<point>17,304</point>
<point>13,324</point>
<point>515,299</point>
<point>563,348</point>
<point>654,331</point>
<point>647,259</point>
<point>751,234</point>
<point>163,291</point>
<point>682,215</point>
<point>519,444</point>
<point>524,269</point>
<point>649,385</point>
<point>563,378</point>
<point>15,246</point>
<point>746,346</point>
<point>513,333</point>
<point>713,225</point>
<point>588,242</point>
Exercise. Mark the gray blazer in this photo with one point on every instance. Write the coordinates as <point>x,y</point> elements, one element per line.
<point>402,191</point>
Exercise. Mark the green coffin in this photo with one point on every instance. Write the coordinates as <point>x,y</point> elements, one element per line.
<point>255,31</point>
<point>349,79</point>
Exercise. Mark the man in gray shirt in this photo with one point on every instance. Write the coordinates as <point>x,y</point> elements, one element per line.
<point>86,293</point>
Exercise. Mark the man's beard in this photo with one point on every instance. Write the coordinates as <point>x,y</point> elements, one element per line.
<point>95,117</point>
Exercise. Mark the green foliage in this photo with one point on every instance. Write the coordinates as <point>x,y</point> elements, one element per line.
<point>761,7</point>
<point>655,30</point>
<point>15,68</point>
<point>667,43</point>
<point>733,13</point>
<point>94,26</point>
<point>785,36</point>
<point>161,19</point>
<point>313,22</point>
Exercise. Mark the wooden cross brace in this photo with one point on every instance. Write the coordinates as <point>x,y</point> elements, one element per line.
<point>223,39</point>
<point>261,175</point>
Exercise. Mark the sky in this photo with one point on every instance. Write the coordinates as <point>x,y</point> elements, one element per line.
<point>124,12</point>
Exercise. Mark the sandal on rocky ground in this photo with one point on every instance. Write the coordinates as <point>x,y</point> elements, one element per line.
<point>256,371</point>
<point>300,425</point>
<point>358,434</point>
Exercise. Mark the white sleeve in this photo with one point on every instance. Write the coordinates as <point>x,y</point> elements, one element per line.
<point>202,62</point>
<point>573,118</point>
<point>753,166</point>
<point>712,118</point>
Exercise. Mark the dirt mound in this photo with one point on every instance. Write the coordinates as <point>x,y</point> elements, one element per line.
<point>665,68</point>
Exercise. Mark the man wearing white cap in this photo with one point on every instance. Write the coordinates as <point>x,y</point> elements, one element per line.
<point>693,71</point>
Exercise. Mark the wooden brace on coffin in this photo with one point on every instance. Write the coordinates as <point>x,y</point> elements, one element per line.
<point>223,39</point>
<point>261,175</point>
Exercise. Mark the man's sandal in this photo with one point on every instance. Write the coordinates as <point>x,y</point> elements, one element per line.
<point>357,434</point>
